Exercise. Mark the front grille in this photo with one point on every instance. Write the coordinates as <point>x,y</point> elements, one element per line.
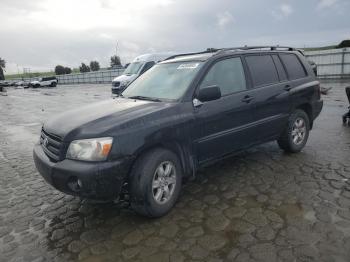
<point>116,84</point>
<point>52,145</point>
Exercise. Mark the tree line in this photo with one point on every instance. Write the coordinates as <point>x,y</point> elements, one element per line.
<point>83,68</point>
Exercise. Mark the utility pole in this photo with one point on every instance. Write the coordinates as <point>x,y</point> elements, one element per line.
<point>27,71</point>
<point>18,71</point>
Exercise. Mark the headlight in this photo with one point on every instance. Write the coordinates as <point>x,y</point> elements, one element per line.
<point>96,149</point>
<point>125,83</point>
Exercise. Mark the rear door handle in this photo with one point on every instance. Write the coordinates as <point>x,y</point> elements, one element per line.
<point>247,99</point>
<point>287,87</point>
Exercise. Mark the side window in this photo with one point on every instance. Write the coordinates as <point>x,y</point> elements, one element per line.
<point>147,66</point>
<point>262,69</point>
<point>294,67</point>
<point>281,72</point>
<point>228,74</point>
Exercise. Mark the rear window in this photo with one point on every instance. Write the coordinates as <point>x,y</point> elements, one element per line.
<point>48,78</point>
<point>293,65</point>
<point>262,69</point>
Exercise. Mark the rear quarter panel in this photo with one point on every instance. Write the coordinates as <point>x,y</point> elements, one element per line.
<point>305,91</point>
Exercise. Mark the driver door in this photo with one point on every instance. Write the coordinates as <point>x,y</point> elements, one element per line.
<point>224,125</point>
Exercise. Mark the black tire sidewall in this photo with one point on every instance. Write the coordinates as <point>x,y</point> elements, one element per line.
<point>141,193</point>
<point>298,114</point>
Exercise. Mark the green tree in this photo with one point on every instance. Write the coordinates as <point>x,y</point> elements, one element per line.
<point>94,66</point>
<point>2,68</point>
<point>67,70</point>
<point>115,61</point>
<point>84,68</point>
<point>59,70</point>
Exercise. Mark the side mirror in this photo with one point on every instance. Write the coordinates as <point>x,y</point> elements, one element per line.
<point>209,93</point>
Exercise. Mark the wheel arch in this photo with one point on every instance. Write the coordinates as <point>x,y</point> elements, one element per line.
<point>306,107</point>
<point>180,150</point>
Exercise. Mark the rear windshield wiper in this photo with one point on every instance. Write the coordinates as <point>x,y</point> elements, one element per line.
<point>145,98</point>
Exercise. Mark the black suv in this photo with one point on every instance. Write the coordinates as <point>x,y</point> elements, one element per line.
<point>183,113</point>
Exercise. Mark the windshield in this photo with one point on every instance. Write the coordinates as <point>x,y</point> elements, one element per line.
<point>164,81</point>
<point>133,68</point>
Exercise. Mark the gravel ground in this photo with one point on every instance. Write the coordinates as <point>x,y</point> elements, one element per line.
<point>261,205</point>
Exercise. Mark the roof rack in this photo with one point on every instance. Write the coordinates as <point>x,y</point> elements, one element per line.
<point>220,50</point>
<point>209,50</point>
<point>272,48</point>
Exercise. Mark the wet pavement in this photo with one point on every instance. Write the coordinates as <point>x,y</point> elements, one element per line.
<point>261,205</point>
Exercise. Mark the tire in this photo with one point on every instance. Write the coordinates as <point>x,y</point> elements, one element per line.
<point>151,201</point>
<point>36,86</point>
<point>53,84</point>
<point>296,134</point>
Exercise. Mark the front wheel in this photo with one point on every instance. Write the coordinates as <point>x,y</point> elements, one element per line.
<point>155,183</point>
<point>295,135</point>
<point>53,84</point>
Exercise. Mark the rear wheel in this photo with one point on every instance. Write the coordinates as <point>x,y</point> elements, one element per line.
<point>295,135</point>
<point>155,183</point>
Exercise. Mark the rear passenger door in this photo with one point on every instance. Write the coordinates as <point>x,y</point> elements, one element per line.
<point>271,94</point>
<point>223,125</point>
<point>303,85</point>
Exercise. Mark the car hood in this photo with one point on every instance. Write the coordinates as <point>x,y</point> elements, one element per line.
<point>123,78</point>
<point>101,119</point>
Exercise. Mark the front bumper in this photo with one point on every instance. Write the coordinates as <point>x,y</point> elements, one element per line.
<point>97,180</point>
<point>317,108</point>
<point>117,90</point>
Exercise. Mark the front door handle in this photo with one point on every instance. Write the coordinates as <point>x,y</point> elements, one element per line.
<point>247,99</point>
<point>287,87</point>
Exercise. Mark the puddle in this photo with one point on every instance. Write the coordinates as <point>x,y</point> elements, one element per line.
<point>22,134</point>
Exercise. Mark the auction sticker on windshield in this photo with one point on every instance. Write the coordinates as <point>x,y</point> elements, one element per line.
<point>188,66</point>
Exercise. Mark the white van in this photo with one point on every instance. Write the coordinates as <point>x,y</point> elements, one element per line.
<point>138,66</point>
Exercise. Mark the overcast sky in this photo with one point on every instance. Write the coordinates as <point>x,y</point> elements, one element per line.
<point>43,33</point>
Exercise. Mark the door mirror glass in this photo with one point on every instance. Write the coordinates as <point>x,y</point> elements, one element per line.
<point>209,93</point>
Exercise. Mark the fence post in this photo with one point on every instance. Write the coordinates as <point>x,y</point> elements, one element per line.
<point>343,63</point>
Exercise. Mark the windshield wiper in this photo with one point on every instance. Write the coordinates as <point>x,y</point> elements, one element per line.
<point>145,98</point>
